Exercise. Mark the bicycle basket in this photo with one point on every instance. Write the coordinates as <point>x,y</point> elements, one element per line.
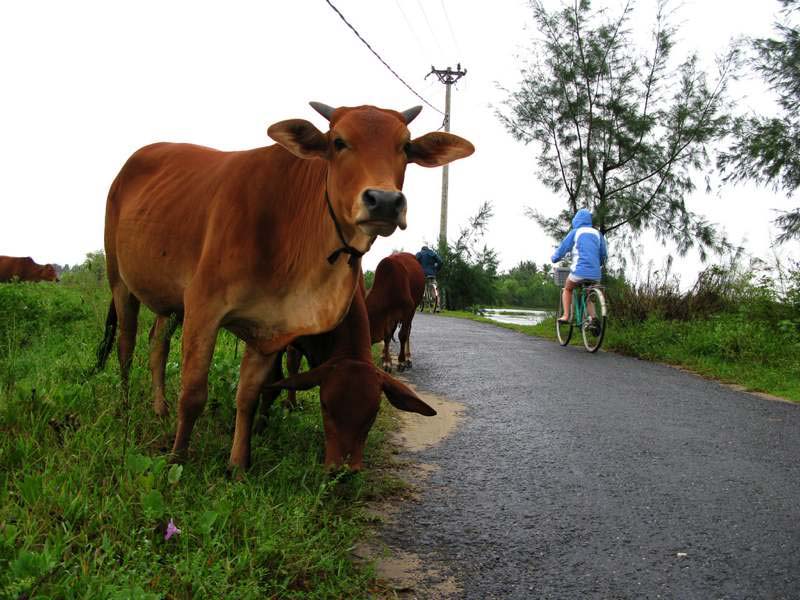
<point>560,275</point>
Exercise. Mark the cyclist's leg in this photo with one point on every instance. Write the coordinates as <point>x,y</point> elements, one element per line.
<point>566,298</point>
<point>589,303</point>
<point>435,287</point>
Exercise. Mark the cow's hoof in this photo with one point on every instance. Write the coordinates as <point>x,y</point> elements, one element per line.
<point>387,367</point>
<point>408,364</point>
<point>401,367</point>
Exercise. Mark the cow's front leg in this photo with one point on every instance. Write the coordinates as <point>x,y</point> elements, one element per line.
<point>252,374</point>
<point>199,338</point>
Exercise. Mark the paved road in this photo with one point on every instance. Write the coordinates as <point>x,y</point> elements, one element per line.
<point>577,475</point>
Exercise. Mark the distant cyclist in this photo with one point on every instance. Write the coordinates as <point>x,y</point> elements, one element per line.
<point>431,264</point>
<point>588,247</point>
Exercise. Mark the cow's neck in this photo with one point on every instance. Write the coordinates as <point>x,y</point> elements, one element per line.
<point>325,288</point>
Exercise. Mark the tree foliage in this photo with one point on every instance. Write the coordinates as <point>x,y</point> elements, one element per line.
<point>469,267</point>
<point>527,285</point>
<point>766,150</point>
<point>616,131</point>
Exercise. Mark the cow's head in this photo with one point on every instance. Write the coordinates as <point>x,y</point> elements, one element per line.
<point>350,395</point>
<point>367,150</point>
<point>48,273</point>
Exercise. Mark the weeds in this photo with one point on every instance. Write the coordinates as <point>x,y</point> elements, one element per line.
<point>75,522</point>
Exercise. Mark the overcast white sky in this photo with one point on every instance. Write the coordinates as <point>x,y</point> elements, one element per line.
<point>84,84</point>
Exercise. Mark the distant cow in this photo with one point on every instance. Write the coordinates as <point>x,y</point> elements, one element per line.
<point>252,241</point>
<point>396,292</point>
<point>24,269</point>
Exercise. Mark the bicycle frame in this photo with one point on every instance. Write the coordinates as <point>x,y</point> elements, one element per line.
<point>580,310</point>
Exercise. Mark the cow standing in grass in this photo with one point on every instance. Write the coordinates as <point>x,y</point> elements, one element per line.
<point>23,268</point>
<point>265,243</point>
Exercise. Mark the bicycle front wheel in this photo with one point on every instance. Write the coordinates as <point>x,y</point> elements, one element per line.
<point>563,330</point>
<point>593,328</point>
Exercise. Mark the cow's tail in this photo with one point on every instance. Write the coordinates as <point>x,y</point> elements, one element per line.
<point>105,347</point>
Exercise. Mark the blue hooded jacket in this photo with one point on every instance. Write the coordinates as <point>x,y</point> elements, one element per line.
<point>588,247</point>
<point>430,261</point>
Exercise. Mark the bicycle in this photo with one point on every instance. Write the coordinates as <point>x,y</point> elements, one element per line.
<point>588,297</point>
<point>429,298</point>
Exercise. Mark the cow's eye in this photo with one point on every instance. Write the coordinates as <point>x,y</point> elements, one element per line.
<point>339,144</point>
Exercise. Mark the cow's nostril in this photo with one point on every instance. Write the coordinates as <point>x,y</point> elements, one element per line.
<point>370,200</point>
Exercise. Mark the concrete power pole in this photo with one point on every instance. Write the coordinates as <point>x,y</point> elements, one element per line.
<point>448,77</point>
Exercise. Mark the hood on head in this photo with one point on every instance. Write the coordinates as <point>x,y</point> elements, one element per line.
<point>582,218</point>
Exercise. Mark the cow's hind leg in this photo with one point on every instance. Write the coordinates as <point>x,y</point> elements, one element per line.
<point>127,306</point>
<point>252,374</point>
<point>387,355</point>
<point>160,335</point>
<point>404,359</point>
<point>293,360</point>
<point>268,395</point>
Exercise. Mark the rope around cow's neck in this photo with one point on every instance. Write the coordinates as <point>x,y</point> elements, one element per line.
<point>346,248</point>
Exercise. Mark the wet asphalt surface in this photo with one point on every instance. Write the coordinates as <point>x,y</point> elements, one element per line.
<point>575,475</point>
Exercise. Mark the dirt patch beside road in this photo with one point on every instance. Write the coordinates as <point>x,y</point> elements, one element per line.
<point>403,574</point>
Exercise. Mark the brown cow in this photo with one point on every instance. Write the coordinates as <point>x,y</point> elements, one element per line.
<point>252,241</point>
<point>24,269</point>
<point>350,385</point>
<point>396,292</point>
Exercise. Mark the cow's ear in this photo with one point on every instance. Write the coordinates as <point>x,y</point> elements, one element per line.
<point>300,138</point>
<point>438,148</point>
<point>302,381</point>
<point>402,397</point>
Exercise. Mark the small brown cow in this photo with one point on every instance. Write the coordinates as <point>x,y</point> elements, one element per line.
<point>24,269</point>
<point>393,299</point>
<point>252,241</point>
<point>350,385</point>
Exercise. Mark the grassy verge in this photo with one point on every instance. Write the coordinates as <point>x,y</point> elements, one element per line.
<point>80,518</point>
<point>727,347</point>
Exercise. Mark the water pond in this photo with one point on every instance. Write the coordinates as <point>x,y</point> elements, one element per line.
<point>515,316</point>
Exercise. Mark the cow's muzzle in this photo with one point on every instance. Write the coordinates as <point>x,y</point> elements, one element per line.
<point>385,210</point>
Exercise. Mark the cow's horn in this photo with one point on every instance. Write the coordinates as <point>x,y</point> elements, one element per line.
<point>411,114</point>
<point>323,109</point>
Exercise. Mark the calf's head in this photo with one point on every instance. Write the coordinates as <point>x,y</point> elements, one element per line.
<point>350,395</point>
<point>367,150</point>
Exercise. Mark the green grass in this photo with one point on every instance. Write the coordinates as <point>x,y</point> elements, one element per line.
<point>730,347</point>
<point>78,519</point>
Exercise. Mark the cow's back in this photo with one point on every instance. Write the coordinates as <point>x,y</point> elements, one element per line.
<point>414,273</point>
<point>22,268</point>
<point>170,205</point>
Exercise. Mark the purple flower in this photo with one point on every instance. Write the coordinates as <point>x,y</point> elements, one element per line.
<point>171,530</point>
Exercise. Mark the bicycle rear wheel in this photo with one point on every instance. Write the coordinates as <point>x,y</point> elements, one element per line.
<point>593,329</point>
<point>563,330</point>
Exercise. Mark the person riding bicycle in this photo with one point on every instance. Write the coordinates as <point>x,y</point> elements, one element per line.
<point>588,247</point>
<point>431,264</point>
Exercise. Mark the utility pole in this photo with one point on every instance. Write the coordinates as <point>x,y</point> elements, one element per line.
<point>448,77</point>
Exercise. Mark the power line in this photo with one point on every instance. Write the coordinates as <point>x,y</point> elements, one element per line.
<point>450,27</point>
<point>378,56</point>
<point>411,29</point>
<point>433,35</point>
